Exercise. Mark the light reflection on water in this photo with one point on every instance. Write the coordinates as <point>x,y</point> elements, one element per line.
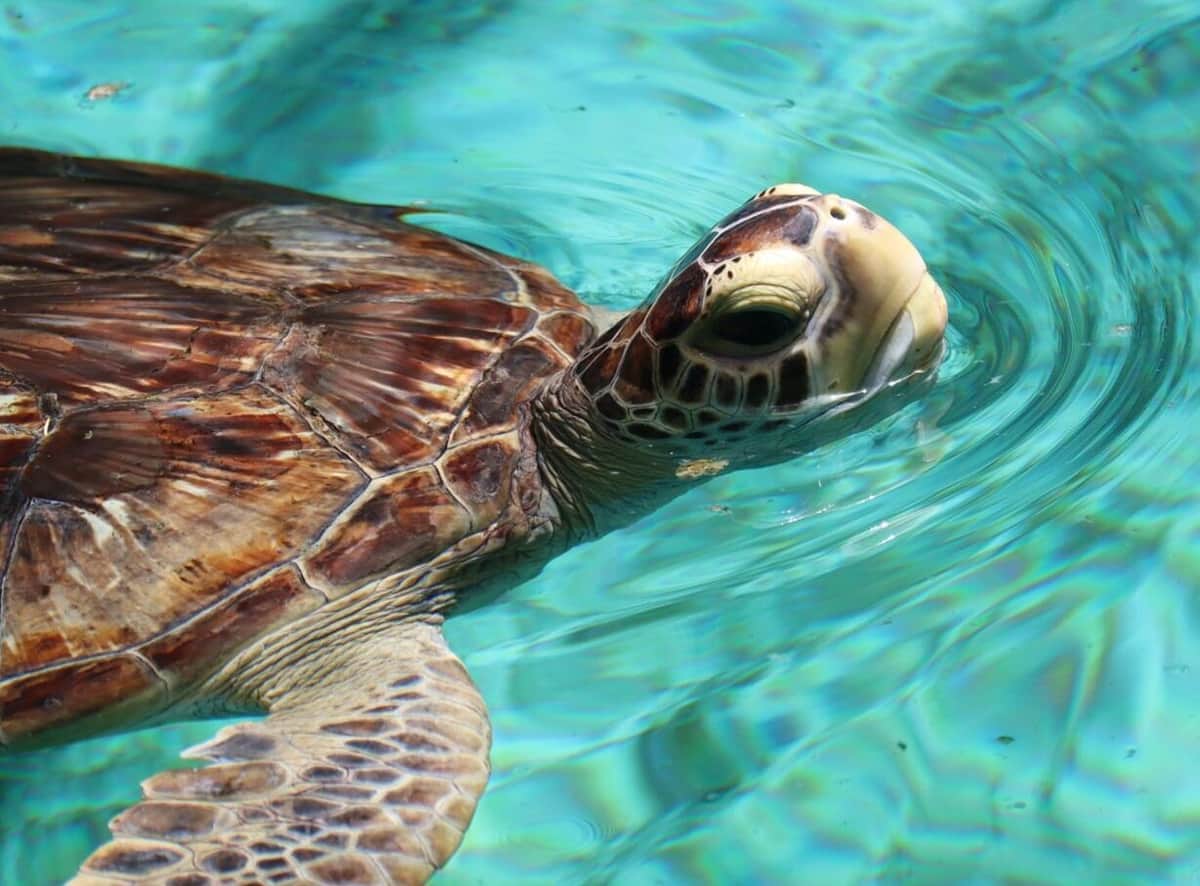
<point>961,647</point>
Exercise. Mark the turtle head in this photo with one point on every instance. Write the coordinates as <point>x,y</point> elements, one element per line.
<point>797,307</point>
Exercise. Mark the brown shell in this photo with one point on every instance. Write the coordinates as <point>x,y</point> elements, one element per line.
<point>223,403</point>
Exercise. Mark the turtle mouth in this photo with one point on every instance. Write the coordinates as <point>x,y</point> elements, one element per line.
<point>912,346</point>
<point>895,355</point>
<point>916,340</point>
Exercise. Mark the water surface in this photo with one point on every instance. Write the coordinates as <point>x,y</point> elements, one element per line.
<point>962,647</point>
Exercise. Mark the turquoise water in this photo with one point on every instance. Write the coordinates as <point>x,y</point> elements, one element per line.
<point>961,648</point>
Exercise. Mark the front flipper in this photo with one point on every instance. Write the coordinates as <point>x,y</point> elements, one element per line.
<point>368,775</point>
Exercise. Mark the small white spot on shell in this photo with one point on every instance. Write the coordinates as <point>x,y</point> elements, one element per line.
<point>102,530</point>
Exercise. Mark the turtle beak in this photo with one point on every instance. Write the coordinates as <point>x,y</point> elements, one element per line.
<point>883,316</point>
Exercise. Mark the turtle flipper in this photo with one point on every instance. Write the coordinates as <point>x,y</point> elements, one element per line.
<point>368,775</point>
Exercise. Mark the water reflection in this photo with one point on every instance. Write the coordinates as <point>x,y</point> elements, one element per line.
<point>962,645</point>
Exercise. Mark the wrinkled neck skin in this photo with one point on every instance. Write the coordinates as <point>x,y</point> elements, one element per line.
<point>599,482</point>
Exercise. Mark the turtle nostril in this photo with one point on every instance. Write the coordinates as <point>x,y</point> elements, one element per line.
<point>838,213</point>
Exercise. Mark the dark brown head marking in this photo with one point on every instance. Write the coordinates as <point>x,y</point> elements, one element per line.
<point>677,305</point>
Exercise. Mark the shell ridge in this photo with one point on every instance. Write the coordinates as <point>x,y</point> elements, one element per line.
<point>222,224</point>
<point>522,290</point>
<point>133,337</point>
<point>303,416</point>
<point>345,514</point>
<point>136,649</point>
<point>254,323</point>
<point>150,667</point>
<point>446,485</point>
<point>550,342</point>
<point>10,545</point>
<point>484,373</point>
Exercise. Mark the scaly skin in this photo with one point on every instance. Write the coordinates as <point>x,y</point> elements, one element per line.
<point>302,431</point>
<point>800,317</point>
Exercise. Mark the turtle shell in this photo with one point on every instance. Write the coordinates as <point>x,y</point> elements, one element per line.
<point>224,404</point>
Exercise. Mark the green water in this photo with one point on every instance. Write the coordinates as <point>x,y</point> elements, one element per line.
<point>961,648</point>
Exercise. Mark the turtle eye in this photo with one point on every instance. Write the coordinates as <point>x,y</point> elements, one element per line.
<point>748,331</point>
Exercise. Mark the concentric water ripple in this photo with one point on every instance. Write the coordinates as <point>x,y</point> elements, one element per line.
<point>961,646</point>
<point>933,651</point>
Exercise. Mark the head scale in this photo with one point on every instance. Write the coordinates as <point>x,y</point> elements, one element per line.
<point>796,305</point>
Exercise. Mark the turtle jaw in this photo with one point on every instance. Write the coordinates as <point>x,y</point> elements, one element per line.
<point>912,345</point>
<point>883,317</point>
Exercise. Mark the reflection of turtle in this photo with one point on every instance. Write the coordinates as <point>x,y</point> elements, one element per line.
<point>254,443</point>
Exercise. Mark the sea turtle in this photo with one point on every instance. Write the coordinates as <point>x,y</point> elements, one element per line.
<point>255,443</point>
